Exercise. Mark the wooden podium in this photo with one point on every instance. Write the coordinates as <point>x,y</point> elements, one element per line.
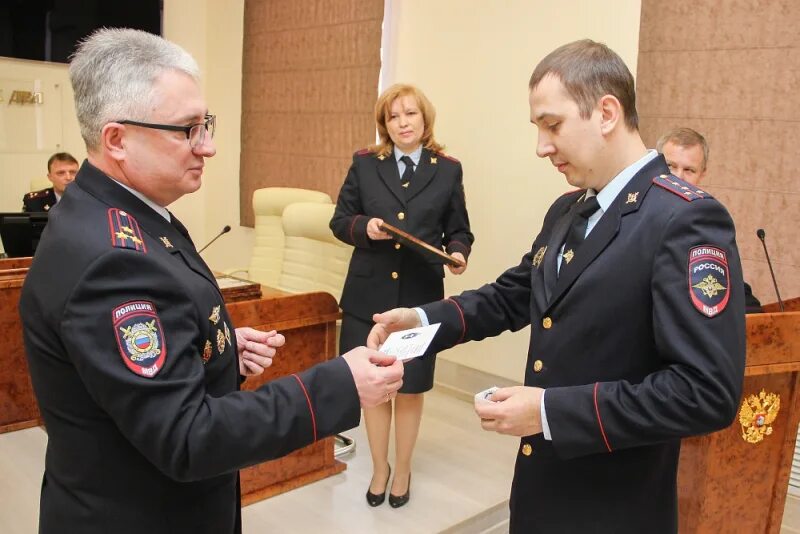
<point>307,320</point>
<point>727,483</point>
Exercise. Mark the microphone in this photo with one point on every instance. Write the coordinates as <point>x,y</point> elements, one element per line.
<point>760,233</point>
<point>224,231</point>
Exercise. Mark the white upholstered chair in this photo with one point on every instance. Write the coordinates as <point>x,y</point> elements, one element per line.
<point>268,205</point>
<point>313,259</point>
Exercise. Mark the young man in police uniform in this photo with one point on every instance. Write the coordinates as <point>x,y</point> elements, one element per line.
<point>134,359</point>
<point>61,171</point>
<point>633,291</point>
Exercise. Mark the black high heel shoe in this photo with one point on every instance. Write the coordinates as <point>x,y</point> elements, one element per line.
<point>377,499</point>
<point>396,501</point>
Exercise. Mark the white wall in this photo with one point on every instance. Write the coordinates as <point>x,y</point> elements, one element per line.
<point>473,59</point>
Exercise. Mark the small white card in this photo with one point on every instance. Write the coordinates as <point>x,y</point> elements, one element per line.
<point>484,396</point>
<point>407,344</point>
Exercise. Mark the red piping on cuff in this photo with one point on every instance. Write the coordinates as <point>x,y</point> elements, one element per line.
<point>310,409</point>
<point>352,226</point>
<point>463,323</point>
<point>459,243</point>
<point>597,411</point>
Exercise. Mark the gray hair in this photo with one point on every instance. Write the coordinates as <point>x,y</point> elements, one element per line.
<point>113,72</point>
<point>686,138</point>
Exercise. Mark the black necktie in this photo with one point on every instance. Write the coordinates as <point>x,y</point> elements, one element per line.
<point>180,227</point>
<point>577,228</point>
<point>408,173</point>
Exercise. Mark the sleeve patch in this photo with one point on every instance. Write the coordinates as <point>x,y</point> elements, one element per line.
<point>708,279</point>
<point>140,337</point>
<point>125,232</point>
<point>685,190</point>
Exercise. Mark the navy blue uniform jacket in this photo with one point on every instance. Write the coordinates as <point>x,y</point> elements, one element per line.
<point>632,354</point>
<point>432,209</point>
<point>134,364</point>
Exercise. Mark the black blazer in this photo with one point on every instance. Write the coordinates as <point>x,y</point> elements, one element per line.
<point>41,200</point>
<point>632,354</point>
<point>133,360</point>
<point>383,274</point>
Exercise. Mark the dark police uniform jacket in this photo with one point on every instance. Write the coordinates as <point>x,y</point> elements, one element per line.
<point>639,342</point>
<point>134,363</point>
<point>384,274</point>
<point>41,200</point>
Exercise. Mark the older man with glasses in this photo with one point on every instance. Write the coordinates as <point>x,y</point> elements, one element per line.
<point>133,357</point>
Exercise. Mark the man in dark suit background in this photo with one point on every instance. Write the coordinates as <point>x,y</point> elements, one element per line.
<point>61,171</point>
<point>633,292</point>
<point>133,358</point>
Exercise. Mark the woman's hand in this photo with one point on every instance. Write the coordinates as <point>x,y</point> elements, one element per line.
<point>453,268</point>
<point>374,231</point>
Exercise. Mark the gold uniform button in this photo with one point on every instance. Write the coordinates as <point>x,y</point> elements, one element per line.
<point>527,450</point>
<point>547,322</point>
<point>537,366</point>
<point>401,215</point>
<point>395,276</point>
<point>397,246</point>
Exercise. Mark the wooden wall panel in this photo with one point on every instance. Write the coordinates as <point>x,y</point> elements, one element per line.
<point>309,83</point>
<point>730,69</point>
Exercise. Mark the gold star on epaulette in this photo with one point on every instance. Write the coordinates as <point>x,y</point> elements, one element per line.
<point>122,235</point>
<point>166,241</point>
<point>126,229</point>
<point>136,240</point>
<point>568,255</point>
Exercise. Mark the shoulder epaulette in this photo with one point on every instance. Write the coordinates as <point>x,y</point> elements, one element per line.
<point>362,152</point>
<point>37,194</point>
<point>125,232</point>
<point>445,156</point>
<point>685,190</point>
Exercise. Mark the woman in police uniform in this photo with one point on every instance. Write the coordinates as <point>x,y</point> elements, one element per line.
<point>406,181</point>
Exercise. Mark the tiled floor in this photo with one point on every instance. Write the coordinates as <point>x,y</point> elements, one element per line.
<point>460,472</point>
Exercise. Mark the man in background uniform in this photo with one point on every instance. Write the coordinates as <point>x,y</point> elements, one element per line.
<point>686,152</point>
<point>133,357</point>
<point>61,171</point>
<point>633,292</point>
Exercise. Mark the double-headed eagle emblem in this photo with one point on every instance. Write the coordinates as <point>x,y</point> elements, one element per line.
<point>758,412</point>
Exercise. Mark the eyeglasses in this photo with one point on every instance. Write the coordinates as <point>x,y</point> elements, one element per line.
<point>195,133</point>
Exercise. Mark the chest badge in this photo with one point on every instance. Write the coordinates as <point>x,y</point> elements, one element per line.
<point>207,352</point>
<point>220,341</point>
<point>539,256</point>
<point>227,333</point>
<point>214,317</point>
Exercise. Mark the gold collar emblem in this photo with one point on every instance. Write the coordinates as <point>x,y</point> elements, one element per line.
<point>214,317</point>
<point>539,256</point>
<point>758,412</point>
<point>381,157</point>
<point>166,241</point>
<point>433,160</point>
<point>632,198</point>
<point>568,255</point>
